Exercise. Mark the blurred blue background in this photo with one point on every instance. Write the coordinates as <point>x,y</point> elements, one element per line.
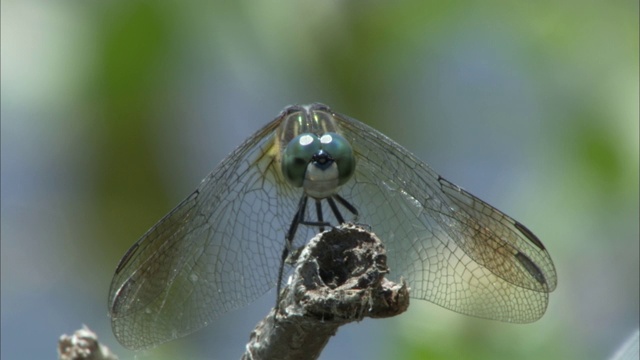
<point>112,112</point>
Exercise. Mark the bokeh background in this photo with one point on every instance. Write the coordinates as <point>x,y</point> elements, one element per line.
<point>113,111</point>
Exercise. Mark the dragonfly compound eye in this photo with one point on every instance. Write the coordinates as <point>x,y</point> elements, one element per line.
<point>296,157</point>
<point>340,150</point>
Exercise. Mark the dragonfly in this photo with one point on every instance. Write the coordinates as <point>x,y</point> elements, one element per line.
<point>310,168</point>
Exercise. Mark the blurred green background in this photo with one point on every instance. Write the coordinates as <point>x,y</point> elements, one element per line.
<point>113,111</point>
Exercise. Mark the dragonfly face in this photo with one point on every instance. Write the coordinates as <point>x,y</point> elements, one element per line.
<point>317,159</point>
<point>224,245</point>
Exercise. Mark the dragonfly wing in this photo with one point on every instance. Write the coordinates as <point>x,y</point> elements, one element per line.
<point>454,249</point>
<point>216,251</point>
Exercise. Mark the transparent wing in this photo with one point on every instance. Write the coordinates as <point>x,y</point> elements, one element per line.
<point>454,249</point>
<point>220,248</point>
<point>216,251</point>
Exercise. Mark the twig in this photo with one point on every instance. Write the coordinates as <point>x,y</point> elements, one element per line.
<point>83,344</point>
<point>338,279</point>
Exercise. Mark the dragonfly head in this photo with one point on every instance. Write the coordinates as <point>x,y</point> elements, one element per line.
<point>318,164</point>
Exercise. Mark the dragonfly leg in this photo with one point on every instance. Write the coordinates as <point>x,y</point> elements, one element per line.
<point>319,214</point>
<point>288,246</point>
<point>352,209</point>
<point>336,211</point>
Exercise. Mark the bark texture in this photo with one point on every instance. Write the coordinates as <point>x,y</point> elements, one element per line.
<point>339,277</point>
